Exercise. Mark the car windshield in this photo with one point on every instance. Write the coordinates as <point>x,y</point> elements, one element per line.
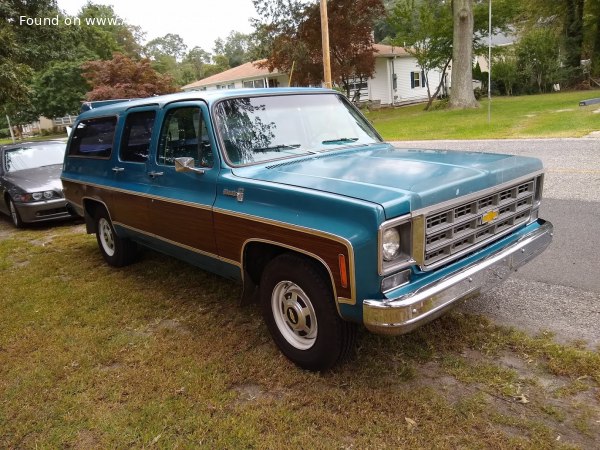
<point>256,129</point>
<point>32,157</point>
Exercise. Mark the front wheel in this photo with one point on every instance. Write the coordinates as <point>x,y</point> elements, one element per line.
<point>300,312</point>
<point>117,252</point>
<point>14,214</point>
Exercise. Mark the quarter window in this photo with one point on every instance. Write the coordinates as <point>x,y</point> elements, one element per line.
<point>93,138</point>
<point>184,134</point>
<point>135,144</point>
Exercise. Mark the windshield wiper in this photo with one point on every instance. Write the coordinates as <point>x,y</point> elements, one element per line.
<point>340,141</point>
<point>276,147</point>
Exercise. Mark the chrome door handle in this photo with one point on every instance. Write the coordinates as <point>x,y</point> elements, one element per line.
<point>118,169</point>
<point>155,174</point>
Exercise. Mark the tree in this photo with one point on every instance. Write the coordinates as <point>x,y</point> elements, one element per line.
<point>60,89</point>
<point>170,45</point>
<point>424,29</point>
<point>538,58</point>
<point>566,18</point>
<point>505,71</point>
<point>123,77</point>
<point>294,30</point>
<point>461,94</point>
<point>112,36</point>
<point>236,47</point>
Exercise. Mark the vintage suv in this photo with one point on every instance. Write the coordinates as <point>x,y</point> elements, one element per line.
<point>294,193</point>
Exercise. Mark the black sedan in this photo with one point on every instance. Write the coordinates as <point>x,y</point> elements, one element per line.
<point>30,182</point>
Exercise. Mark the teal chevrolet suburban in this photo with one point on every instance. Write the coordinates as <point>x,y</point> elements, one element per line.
<point>292,192</point>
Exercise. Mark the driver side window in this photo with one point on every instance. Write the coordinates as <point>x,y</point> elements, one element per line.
<point>184,134</point>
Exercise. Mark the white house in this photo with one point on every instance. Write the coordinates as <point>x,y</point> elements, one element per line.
<point>397,78</point>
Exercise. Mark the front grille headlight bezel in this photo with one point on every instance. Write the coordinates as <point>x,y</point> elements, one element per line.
<point>401,229</point>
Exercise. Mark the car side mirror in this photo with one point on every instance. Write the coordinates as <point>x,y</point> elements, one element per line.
<point>186,164</point>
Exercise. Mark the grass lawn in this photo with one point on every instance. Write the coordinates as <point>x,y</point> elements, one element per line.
<point>160,354</point>
<point>556,115</point>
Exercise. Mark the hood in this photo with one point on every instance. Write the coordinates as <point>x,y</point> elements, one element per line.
<point>400,180</point>
<point>40,179</point>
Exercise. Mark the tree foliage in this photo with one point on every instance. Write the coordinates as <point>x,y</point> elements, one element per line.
<point>424,29</point>
<point>294,31</point>
<point>59,89</point>
<point>237,47</point>
<point>122,77</point>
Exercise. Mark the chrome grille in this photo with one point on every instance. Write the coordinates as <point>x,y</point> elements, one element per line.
<point>458,228</point>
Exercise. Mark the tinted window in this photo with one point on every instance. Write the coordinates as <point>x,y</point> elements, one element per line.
<point>93,138</point>
<point>184,134</point>
<point>135,144</point>
<point>33,157</point>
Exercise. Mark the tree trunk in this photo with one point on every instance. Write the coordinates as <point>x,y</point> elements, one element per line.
<point>461,93</point>
<point>596,51</point>
<point>574,32</point>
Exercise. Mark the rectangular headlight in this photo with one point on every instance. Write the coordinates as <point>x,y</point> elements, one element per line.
<point>395,242</point>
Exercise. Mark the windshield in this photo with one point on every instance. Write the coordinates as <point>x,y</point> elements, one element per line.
<point>259,129</point>
<point>32,157</point>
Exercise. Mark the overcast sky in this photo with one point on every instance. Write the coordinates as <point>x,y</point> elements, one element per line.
<point>198,22</point>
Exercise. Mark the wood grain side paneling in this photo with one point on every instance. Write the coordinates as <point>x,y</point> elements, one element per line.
<point>233,231</point>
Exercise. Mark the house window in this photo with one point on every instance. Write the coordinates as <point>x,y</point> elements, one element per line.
<point>254,83</point>
<point>417,79</point>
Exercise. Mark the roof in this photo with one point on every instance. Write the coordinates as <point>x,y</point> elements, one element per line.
<point>244,71</point>
<point>252,69</point>
<point>210,97</point>
<point>389,50</point>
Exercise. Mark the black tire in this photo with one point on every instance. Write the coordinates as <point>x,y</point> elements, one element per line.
<point>14,214</point>
<point>117,252</point>
<point>300,312</point>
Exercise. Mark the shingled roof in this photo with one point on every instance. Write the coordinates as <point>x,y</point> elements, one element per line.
<point>252,69</point>
<point>242,72</point>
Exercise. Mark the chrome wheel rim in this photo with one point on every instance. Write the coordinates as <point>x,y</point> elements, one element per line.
<point>294,315</point>
<point>107,239</point>
<point>13,213</point>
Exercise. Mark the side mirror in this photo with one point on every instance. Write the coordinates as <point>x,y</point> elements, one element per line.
<point>186,164</point>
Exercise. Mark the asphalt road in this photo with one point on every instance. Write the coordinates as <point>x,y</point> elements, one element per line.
<point>560,290</point>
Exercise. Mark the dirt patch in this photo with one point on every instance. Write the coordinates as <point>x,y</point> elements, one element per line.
<point>253,392</point>
<point>169,326</point>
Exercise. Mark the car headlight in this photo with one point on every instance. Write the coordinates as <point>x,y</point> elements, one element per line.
<point>390,245</point>
<point>395,245</point>
<point>36,196</point>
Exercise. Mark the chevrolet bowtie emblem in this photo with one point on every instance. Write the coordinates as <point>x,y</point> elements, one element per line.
<point>489,216</point>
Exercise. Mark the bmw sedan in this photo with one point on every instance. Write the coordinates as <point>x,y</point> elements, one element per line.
<point>30,182</point>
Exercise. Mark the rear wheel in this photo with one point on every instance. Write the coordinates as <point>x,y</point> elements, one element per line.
<point>14,214</point>
<point>300,312</point>
<point>117,252</point>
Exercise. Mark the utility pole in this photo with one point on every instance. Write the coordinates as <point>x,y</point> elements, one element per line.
<point>325,41</point>
<point>11,130</point>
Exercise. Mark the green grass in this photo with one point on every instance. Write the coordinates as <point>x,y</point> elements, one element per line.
<point>556,115</point>
<point>160,354</point>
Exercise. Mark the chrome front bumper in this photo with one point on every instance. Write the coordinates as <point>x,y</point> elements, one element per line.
<point>403,314</point>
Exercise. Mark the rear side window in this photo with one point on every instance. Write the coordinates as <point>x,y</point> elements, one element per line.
<point>135,144</point>
<point>93,138</point>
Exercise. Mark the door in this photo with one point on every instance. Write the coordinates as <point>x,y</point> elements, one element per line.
<point>131,201</point>
<point>182,202</point>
